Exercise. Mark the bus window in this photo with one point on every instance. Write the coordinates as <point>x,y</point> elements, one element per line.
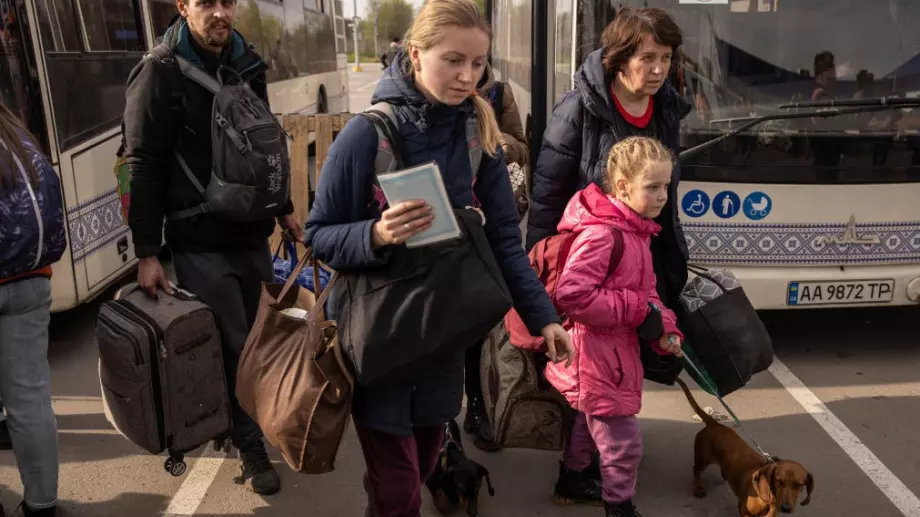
<point>58,27</point>
<point>564,67</point>
<point>88,88</point>
<point>161,13</point>
<point>111,25</point>
<point>20,90</point>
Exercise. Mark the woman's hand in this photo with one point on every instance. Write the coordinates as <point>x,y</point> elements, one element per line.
<point>670,343</point>
<point>558,344</point>
<point>401,222</point>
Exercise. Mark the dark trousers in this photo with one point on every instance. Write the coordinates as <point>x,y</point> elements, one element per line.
<point>230,283</point>
<point>473,380</point>
<point>397,467</point>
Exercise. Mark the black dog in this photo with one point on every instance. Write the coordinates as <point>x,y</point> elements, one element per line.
<point>456,479</point>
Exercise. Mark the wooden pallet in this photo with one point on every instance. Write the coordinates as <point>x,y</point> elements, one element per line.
<point>322,130</point>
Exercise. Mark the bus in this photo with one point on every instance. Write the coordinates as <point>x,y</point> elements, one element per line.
<point>809,210</point>
<point>63,68</point>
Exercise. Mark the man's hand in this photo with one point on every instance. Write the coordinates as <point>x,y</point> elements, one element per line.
<point>292,227</point>
<point>151,275</point>
<point>558,344</point>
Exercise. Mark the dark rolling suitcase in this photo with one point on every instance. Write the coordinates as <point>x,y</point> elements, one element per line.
<point>162,372</point>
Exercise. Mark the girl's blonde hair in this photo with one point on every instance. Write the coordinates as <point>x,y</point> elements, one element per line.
<point>426,32</point>
<point>631,158</point>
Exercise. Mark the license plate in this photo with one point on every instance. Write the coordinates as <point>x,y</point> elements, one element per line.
<point>836,293</point>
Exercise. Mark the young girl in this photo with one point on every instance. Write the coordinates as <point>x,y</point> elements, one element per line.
<point>431,87</point>
<point>605,382</point>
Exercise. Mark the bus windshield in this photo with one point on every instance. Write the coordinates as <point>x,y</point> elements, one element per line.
<point>747,58</point>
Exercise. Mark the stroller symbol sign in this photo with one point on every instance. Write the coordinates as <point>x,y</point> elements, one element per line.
<point>757,206</point>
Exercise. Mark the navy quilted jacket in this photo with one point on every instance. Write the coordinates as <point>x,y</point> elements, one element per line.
<point>32,233</point>
<point>583,128</point>
<point>339,227</point>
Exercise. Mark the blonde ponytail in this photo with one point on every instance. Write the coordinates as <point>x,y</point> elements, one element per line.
<point>426,32</point>
<point>489,133</point>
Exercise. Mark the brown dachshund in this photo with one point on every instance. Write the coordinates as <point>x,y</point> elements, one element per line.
<point>762,487</point>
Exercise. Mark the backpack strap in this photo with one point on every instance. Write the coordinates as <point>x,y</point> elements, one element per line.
<point>391,150</point>
<point>617,254</point>
<point>474,145</point>
<point>197,74</point>
<point>195,210</point>
<point>497,97</point>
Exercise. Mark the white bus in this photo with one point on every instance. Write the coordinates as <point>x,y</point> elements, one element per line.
<point>813,211</point>
<point>63,68</point>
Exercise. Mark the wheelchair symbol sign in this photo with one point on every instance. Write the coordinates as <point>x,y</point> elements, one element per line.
<point>757,205</point>
<point>695,203</point>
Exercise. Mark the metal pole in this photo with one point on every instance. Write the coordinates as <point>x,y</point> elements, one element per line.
<point>376,38</point>
<point>357,21</point>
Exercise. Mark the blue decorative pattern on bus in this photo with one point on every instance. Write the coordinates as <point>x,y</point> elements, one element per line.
<point>95,224</point>
<point>771,244</point>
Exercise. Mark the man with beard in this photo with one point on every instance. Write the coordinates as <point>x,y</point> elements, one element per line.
<point>167,121</point>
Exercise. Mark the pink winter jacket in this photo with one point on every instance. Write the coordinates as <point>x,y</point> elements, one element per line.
<point>606,377</point>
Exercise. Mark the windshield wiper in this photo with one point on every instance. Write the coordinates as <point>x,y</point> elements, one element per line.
<point>865,106</point>
<point>900,102</point>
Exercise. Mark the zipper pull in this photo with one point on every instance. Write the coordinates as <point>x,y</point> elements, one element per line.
<point>163,350</point>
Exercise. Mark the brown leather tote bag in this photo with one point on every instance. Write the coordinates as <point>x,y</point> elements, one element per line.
<point>292,379</point>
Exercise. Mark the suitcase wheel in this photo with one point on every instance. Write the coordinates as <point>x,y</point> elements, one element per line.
<point>175,465</point>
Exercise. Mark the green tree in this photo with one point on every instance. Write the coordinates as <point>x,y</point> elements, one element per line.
<point>394,17</point>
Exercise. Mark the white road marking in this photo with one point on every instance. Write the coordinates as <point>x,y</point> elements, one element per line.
<point>368,86</point>
<point>893,488</point>
<point>186,501</point>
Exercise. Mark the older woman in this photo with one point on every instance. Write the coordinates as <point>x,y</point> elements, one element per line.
<point>621,90</point>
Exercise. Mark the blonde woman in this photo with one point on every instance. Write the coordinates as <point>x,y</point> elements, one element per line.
<point>431,86</point>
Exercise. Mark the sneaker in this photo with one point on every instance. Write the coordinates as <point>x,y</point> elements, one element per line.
<point>51,511</point>
<point>624,509</point>
<point>258,469</point>
<point>6,443</point>
<point>574,487</point>
<point>476,424</point>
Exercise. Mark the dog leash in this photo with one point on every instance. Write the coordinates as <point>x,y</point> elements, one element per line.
<point>715,391</point>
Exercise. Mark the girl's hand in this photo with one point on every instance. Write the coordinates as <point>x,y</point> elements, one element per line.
<point>401,222</point>
<point>558,344</point>
<point>670,343</point>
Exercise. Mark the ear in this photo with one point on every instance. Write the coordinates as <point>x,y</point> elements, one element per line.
<point>484,473</point>
<point>414,57</point>
<point>621,187</point>
<point>182,6</point>
<point>762,480</point>
<point>809,486</point>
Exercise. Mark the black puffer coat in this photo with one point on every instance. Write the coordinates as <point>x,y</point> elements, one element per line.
<point>584,126</point>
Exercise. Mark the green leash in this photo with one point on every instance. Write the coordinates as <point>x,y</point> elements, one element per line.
<point>706,383</point>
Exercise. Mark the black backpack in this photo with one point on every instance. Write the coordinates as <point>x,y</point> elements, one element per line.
<point>250,166</point>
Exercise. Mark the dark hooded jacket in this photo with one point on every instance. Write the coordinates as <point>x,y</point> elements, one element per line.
<point>342,217</point>
<point>165,111</point>
<point>584,126</point>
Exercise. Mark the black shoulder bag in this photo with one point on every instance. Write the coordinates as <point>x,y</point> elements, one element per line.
<point>426,303</point>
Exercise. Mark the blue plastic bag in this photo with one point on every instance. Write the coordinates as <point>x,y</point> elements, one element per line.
<point>284,267</point>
